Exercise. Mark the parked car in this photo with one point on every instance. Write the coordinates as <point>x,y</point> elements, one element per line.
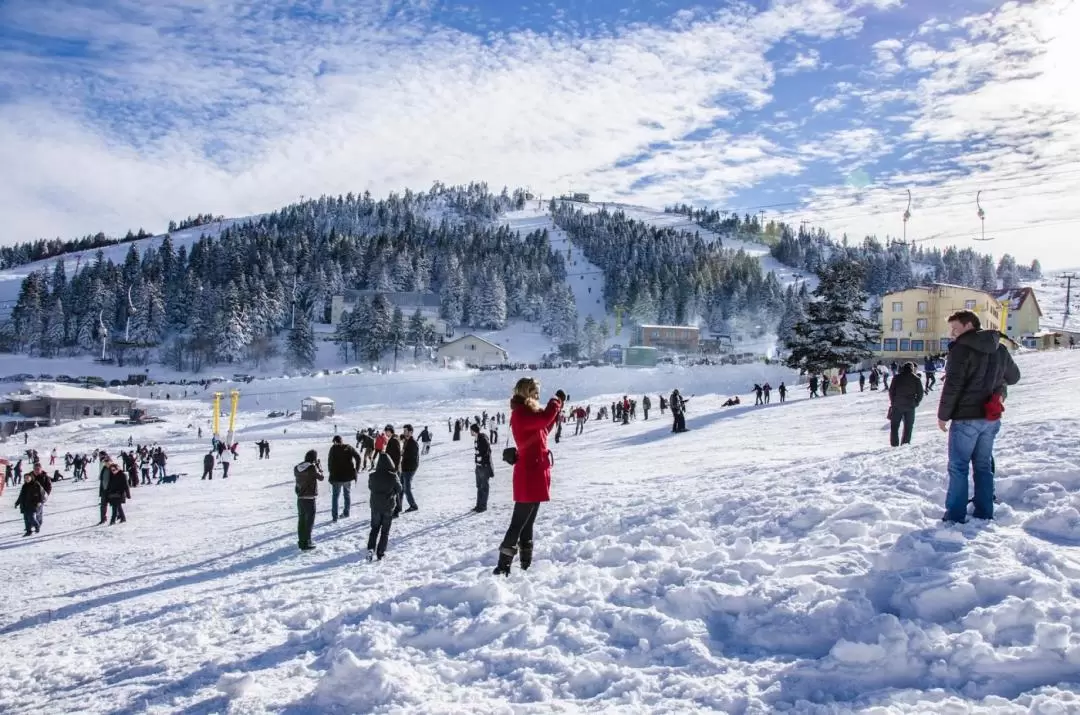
<point>276,413</point>
<point>64,378</point>
<point>45,377</point>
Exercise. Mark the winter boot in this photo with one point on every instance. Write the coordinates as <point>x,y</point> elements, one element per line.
<point>525,557</point>
<point>506,558</point>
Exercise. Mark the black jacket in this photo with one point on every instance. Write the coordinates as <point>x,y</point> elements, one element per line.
<point>342,461</point>
<point>393,451</point>
<point>117,489</point>
<point>905,392</point>
<point>45,481</point>
<point>410,455</point>
<point>483,451</point>
<point>978,367</point>
<point>31,496</point>
<point>383,484</point>
<point>308,476</point>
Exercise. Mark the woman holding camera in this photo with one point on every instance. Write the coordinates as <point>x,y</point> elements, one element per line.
<point>530,424</point>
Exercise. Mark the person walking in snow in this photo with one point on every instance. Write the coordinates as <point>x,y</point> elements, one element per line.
<point>758,394</point>
<point>782,390</point>
<point>905,394</point>
<point>812,385</point>
<point>342,464</point>
<point>862,381</point>
<point>663,405</point>
<point>410,464</point>
<point>843,381</point>
<point>308,474</point>
<point>425,440</point>
<point>483,468</point>
<point>929,369</point>
<point>646,405</point>
<point>31,498</point>
<point>227,456</point>
<point>117,491</point>
<point>977,375</point>
<point>384,486</point>
<point>208,465</point>
<point>766,393</point>
<point>824,385</point>
<point>41,477</point>
<point>530,425</point>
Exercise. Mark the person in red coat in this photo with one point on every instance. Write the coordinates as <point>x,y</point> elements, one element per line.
<point>530,425</point>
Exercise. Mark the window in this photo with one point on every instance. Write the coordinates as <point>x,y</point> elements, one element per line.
<point>921,325</point>
<point>945,342</point>
<point>897,307</point>
<point>889,345</point>
<point>969,305</point>
<point>97,411</point>
<point>905,345</point>
<point>917,346</point>
<point>472,346</point>
<point>897,324</point>
<point>931,346</point>
<point>86,411</point>
<point>923,306</point>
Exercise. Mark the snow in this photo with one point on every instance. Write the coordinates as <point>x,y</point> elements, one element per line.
<point>1050,292</point>
<point>67,392</point>
<point>772,559</point>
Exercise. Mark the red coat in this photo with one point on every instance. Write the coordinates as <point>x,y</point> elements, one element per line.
<point>532,471</point>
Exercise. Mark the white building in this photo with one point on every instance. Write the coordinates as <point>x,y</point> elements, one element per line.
<point>473,350</point>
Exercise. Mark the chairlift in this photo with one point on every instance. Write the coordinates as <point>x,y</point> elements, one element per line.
<point>982,219</point>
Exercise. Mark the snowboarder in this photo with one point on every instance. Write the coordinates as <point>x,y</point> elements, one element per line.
<point>308,474</point>
<point>483,468</point>
<point>342,463</point>
<point>905,394</point>
<point>530,425</point>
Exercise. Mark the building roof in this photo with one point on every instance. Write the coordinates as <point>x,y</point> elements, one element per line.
<point>934,286</point>
<point>677,327</point>
<point>1016,298</point>
<point>57,391</point>
<point>477,337</point>
<point>319,400</point>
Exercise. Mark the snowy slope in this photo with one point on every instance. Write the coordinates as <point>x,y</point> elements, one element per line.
<point>1050,291</point>
<point>772,559</point>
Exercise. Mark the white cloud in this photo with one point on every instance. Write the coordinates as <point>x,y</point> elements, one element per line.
<point>829,104</point>
<point>803,61</point>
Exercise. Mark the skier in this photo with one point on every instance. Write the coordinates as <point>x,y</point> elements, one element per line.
<point>483,468</point>
<point>384,486</point>
<point>308,474</point>
<point>342,463</point>
<point>530,425</point>
<point>905,394</point>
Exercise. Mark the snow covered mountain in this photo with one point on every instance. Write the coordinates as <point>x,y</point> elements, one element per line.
<point>772,559</point>
<point>1051,292</point>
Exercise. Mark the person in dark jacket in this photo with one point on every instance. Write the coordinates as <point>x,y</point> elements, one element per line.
<point>410,463</point>
<point>929,369</point>
<point>978,370</point>
<point>103,486</point>
<point>342,462</point>
<point>677,403</point>
<point>483,468</point>
<point>42,478</point>
<point>117,491</point>
<point>530,425</point>
<point>384,486</point>
<point>392,447</point>
<point>905,394</point>
<point>31,498</point>
<point>208,465</point>
<point>308,474</point>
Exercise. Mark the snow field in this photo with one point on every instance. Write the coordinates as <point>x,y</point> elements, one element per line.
<point>777,558</point>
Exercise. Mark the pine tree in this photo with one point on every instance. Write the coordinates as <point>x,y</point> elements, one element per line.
<point>53,335</point>
<point>379,324</point>
<point>836,332</point>
<point>301,344</point>
<point>452,295</point>
<point>416,332</point>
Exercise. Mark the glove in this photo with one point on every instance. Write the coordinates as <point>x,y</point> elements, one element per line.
<point>561,395</point>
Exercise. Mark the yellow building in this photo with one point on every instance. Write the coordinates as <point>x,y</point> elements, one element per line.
<point>1024,313</point>
<point>913,321</point>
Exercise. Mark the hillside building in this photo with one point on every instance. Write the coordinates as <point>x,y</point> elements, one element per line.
<point>1024,315</point>
<point>681,338</point>
<point>48,403</point>
<point>913,321</point>
<point>473,351</point>
<point>314,409</point>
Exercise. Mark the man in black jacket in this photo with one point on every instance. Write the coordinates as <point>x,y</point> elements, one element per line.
<point>308,474</point>
<point>905,394</point>
<point>384,486</point>
<point>410,462</point>
<point>342,461</point>
<point>977,373</point>
<point>484,470</point>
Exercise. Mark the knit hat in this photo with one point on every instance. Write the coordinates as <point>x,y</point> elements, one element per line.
<point>311,457</point>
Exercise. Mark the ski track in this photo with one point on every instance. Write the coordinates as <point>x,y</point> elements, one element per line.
<point>778,558</point>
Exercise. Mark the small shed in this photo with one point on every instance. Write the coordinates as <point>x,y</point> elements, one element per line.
<point>316,408</point>
<point>640,356</point>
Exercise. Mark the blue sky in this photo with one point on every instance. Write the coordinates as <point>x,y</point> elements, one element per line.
<point>118,114</point>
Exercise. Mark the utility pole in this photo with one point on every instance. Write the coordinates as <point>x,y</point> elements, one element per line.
<point>1068,296</point>
<point>294,296</point>
<point>761,221</point>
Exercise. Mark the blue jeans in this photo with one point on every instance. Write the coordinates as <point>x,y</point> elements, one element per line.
<point>971,445</point>
<point>406,485</point>
<point>336,489</point>
<point>30,521</point>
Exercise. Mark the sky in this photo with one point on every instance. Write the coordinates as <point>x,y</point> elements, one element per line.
<point>121,114</point>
